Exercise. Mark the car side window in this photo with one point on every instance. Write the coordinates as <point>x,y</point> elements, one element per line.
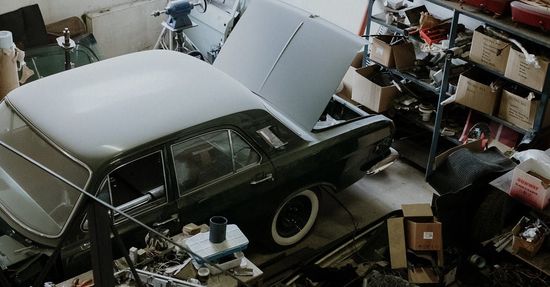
<point>243,154</point>
<point>208,157</point>
<point>134,184</point>
<point>137,183</point>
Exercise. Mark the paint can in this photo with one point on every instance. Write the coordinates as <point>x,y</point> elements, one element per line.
<point>203,273</point>
<point>218,225</point>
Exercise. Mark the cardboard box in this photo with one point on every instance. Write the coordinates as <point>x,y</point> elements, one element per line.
<point>404,231</point>
<point>488,51</point>
<point>347,81</point>
<point>522,246</point>
<point>396,239</point>
<point>423,232</point>
<point>424,235</point>
<point>423,275</point>
<point>400,55</point>
<point>520,109</point>
<point>373,94</point>
<point>474,91</point>
<point>530,183</point>
<point>520,71</point>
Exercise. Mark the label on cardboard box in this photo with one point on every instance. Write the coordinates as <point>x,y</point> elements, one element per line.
<point>424,235</point>
<point>517,110</point>
<point>520,71</point>
<point>400,55</point>
<point>428,236</point>
<point>489,51</point>
<point>381,52</point>
<point>475,95</point>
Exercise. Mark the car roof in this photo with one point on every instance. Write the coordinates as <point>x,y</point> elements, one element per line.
<point>101,110</point>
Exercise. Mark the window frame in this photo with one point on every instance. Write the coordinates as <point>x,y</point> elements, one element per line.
<point>228,131</point>
<point>117,219</point>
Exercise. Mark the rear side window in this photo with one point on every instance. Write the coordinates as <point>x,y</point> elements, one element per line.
<point>209,157</point>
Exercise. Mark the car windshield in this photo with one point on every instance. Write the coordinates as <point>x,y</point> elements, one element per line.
<point>30,196</point>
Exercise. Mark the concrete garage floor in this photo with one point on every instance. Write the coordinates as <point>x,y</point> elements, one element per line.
<point>368,200</point>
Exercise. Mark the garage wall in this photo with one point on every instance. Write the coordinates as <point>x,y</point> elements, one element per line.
<point>54,10</point>
<point>345,13</point>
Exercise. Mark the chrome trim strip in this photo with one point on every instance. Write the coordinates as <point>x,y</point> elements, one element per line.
<point>53,144</point>
<point>151,206</point>
<point>48,140</point>
<point>59,177</point>
<point>137,202</point>
<point>232,150</point>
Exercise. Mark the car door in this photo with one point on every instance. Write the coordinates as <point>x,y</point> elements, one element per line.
<point>219,170</point>
<point>139,187</point>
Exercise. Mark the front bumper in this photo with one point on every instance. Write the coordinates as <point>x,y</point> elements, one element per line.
<point>384,163</point>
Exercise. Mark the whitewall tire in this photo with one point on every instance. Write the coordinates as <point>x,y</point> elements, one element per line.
<point>294,218</point>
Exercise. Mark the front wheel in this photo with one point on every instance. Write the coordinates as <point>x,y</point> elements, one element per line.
<point>294,218</point>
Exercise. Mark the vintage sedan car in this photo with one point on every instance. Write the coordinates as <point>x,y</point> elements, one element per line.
<point>164,136</point>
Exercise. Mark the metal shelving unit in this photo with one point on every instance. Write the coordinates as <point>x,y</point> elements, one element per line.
<point>379,19</point>
<point>423,84</point>
<point>505,24</point>
<point>521,32</point>
<point>427,125</point>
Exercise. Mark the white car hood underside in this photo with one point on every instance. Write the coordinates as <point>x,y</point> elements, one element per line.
<point>288,57</point>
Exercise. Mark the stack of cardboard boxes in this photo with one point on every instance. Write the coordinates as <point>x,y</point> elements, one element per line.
<point>363,84</point>
<point>417,232</point>
<point>477,89</point>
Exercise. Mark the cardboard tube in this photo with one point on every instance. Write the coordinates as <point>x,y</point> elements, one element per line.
<point>9,78</point>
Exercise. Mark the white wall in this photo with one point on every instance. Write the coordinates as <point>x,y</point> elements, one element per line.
<point>345,13</point>
<point>55,10</point>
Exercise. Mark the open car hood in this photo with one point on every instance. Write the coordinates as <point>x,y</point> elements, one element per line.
<point>290,58</point>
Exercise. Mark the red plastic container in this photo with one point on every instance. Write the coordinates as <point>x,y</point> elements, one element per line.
<point>531,15</point>
<point>435,34</point>
<point>497,7</point>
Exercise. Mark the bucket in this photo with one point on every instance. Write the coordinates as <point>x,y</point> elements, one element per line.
<point>9,78</point>
<point>217,229</point>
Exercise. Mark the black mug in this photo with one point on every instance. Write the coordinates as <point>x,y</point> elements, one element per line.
<point>218,226</point>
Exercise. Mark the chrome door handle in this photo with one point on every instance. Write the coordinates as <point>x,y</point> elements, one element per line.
<point>267,177</point>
